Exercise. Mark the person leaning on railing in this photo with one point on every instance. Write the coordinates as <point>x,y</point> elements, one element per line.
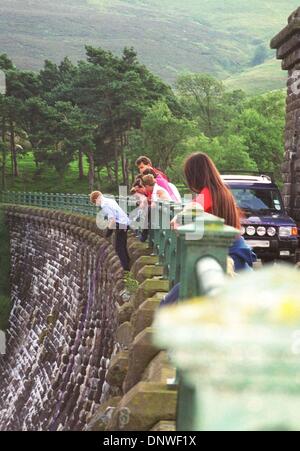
<point>215,198</point>
<point>167,186</point>
<point>118,221</point>
<point>143,163</point>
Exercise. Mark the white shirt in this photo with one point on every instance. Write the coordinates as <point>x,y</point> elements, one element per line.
<point>155,197</point>
<point>112,210</point>
<point>176,192</point>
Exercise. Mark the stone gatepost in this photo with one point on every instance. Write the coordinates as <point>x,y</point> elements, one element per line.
<point>287,44</point>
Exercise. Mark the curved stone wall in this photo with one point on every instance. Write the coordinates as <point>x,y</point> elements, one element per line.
<point>67,284</point>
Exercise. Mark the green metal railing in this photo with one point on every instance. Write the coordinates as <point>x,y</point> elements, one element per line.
<point>161,238</point>
<point>166,243</point>
<point>77,203</point>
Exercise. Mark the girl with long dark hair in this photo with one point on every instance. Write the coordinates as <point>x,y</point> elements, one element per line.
<point>204,179</point>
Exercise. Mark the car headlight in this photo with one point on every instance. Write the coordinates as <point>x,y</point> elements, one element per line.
<point>261,231</point>
<point>251,230</point>
<point>243,230</point>
<point>285,232</point>
<point>271,231</point>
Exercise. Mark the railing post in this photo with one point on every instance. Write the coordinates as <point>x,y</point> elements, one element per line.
<point>207,237</point>
<point>206,240</point>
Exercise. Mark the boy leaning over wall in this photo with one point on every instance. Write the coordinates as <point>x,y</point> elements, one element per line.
<point>118,221</point>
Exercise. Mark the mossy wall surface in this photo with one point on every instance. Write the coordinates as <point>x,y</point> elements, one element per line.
<point>66,281</point>
<point>5,303</point>
<point>79,338</point>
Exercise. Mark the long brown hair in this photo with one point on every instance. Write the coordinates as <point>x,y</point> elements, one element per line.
<point>200,173</point>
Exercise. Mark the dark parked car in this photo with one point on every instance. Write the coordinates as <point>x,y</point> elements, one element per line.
<point>266,225</point>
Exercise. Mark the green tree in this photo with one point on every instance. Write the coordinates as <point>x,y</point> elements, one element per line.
<point>165,134</point>
<point>228,153</point>
<point>263,135</point>
<point>201,95</point>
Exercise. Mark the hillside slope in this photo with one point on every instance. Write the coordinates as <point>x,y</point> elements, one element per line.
<point>171,36</point>
<point>259,79</point>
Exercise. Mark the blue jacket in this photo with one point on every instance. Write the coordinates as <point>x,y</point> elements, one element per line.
<point>242,255</point>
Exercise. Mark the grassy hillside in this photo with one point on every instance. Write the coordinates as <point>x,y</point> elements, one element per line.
<point>259,79</point>
<point>171,36</point>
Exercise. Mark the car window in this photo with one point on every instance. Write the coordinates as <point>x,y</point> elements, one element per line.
<point>258,199</point>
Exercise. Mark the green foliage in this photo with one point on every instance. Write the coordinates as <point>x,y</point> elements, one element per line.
<point>164,134</point>
<point>68,112</point>
<point>131,284</point>
<point>102,113</point>
<point>261,125</point>
<point>227,152</point>
<point>201,94</point>
<point>248,134</point>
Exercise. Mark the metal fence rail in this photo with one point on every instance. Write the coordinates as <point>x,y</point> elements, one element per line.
<point>161,238</point>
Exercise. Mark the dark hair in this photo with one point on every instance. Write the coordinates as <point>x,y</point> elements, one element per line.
<point>150,171</point>
<point>144,160</point>
<point>200,173</point>
<point>138,182</point>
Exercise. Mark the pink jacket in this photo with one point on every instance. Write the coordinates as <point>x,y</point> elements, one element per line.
<point>164,184</point>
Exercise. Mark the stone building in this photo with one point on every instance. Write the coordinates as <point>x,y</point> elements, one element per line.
<point>287,44</point>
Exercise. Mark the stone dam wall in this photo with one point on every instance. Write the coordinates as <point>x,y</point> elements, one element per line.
<point>287,44</point>
<point>79,344</point>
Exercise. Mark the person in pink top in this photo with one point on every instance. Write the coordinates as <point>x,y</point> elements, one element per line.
<point>163,183</point>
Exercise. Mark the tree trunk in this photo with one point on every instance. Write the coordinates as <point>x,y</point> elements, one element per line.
<point>115,147</point>
<point>123,168</point>
<point>209,121</point>
<point>133,175</point>
<point>15,170</point>
<point>91,175</point>
<point>98,177</point>
<point>3,169</point>
<point>109,173</point>
<point>116,164</point>
<point>80,165</point>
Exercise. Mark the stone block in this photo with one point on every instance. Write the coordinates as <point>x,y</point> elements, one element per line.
<point>101,418</point>
<point>139,252</point>
<point>124,312</point>
<point>148,289</point>
<point>149,271</point>
<point>124,334</point>
<point>164,426</point>
<point>143,261</point>
<point>141,352</point>
<point>160,369</point>
<point>117,369</point>
<point>144,407</point>
<point>144,316</point>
